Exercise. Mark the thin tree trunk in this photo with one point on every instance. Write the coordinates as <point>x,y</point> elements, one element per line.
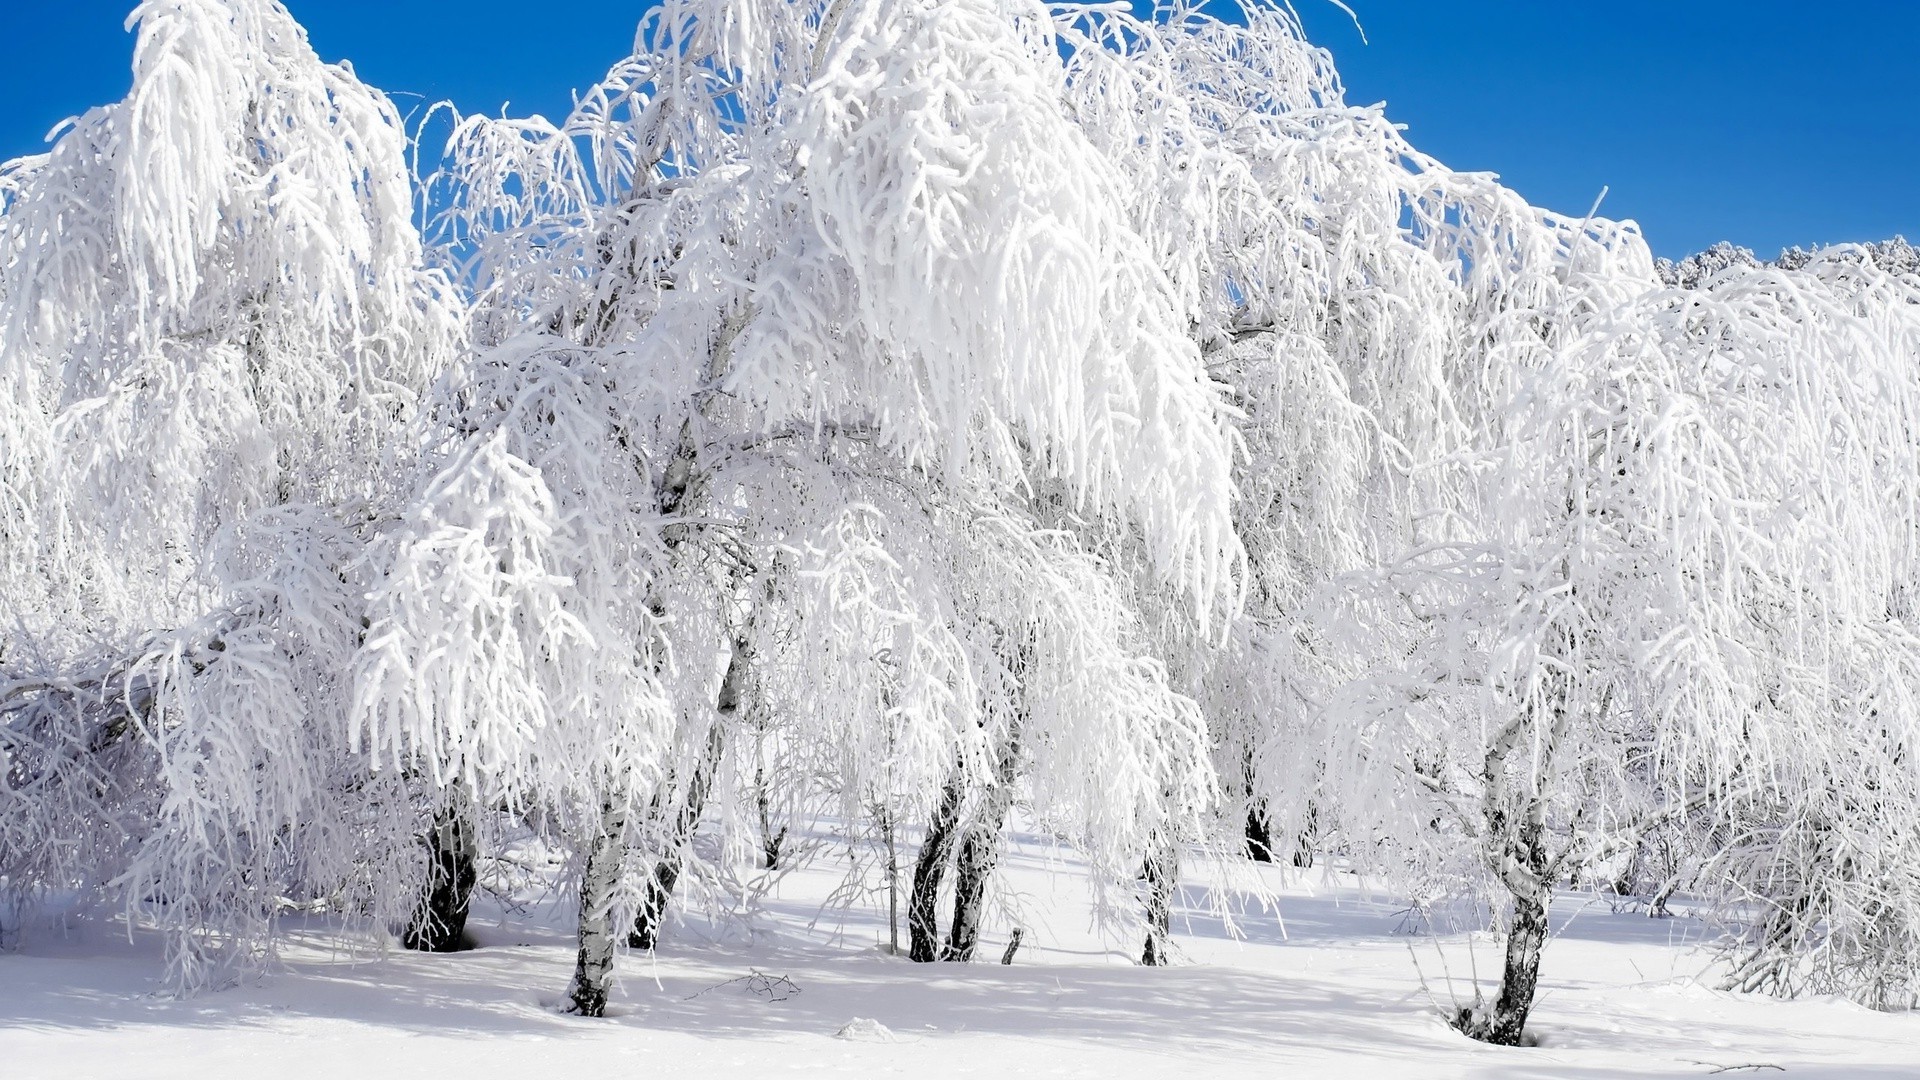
<point>1522,863</point>
<point>1505,1024</point>
<point>893,885</point>
<point>1303,844</point>
<point>440,923</point>
<point>923,917</point>
<point>1768,967</point>
<point>1160,870</point>
<point>1623,882</point>
<point>666,873</point>
<point>1259,831</point>
<point>606,856</point>
<point>1526,870</point>
<point>593,970</point>
<point>979,852</point>
<point>771,839</point>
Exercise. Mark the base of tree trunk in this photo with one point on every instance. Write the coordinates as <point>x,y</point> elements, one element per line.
<point>645,932</point>
<point>1159,872</point>
<point>1504,1022</point>
<point>923,899</point>
<point>440,924</point>
<point>975,865</point>
<point>1658,908</point>
<point>587,1000</point>
<point>979,854</point>
<point>593,968</point>
<point>1303,843</point>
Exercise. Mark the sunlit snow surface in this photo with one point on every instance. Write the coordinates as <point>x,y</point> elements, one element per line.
<point>1334,995</point>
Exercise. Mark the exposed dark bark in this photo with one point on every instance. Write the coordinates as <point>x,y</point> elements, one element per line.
<point>1505,1022</point>
<point>923,925</point>
<point>647,921</point>
<point>593,968</point>
<point>1259,830</point>
<point>1259,833</point>
<point>1303,844</point>
<point>1013,945</point>
<point>979,852</point>
<point>893,884</point>
<point>440,923</point>
<point>1515,821</point>
<point>645,933</point>
<point>771,839</point>
<point>1526,869</point>
<point>1160,871</point>
<point>1623,882</point>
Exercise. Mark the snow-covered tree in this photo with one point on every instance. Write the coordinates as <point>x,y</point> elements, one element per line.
<point>1493,406</point>
<point>1675,578</point>
<point>906,414</point>
<point>215,322</point>
<point>788,299</point>
<point>1280,212</point>
<point>1820,853</point>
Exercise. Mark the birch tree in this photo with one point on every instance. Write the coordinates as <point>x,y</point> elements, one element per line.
<point>215,321</point>
<point>1688,543</point>
<point>783,292</point>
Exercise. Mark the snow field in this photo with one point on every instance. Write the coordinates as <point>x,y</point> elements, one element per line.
<point>1334,993</point>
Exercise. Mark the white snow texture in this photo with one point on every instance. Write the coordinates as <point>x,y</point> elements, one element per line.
<point>1056,463</point>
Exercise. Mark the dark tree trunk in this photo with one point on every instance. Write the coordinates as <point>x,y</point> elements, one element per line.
<point>593,969</point>
<point>923,917</point>
<point>645,933</point>
<point>440,924</point>
<point>893,885</point>
<point>1768,966</point>
<point>979,853</point>
<point>1303,844</point>
<point>1259,833</point>
<point>771,839</point>
<point>647,921</point>
<point>1160,872</point>
<point>1522,863</point>
<point>1623,882</point>
<point>1506,1022</point>
<point>1527,873</point>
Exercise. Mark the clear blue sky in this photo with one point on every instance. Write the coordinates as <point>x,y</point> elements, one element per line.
<point>1764,122</point>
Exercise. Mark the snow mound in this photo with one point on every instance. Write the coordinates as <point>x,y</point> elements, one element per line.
<point>864,1030</point>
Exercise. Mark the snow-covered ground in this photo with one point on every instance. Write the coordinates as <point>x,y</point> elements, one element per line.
<point>1336,994</point>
